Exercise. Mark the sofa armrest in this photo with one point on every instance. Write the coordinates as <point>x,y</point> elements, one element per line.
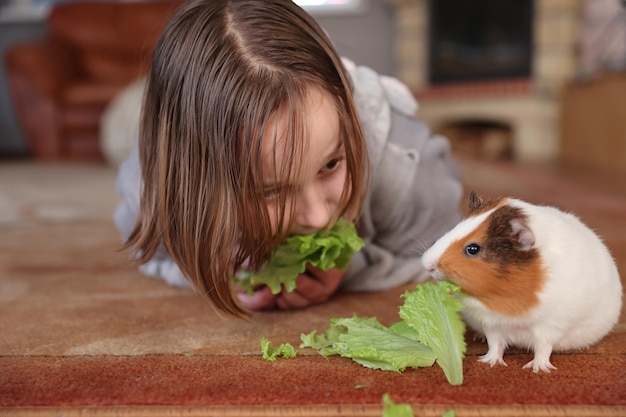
<point>47,63</point>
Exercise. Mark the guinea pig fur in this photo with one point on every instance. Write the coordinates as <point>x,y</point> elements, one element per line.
<point>531,276</point>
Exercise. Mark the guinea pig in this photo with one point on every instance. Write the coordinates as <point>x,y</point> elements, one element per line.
<point>531,276</point>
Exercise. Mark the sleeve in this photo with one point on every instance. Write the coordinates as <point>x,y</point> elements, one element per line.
<point>414,199</point>
<point>128,186</point>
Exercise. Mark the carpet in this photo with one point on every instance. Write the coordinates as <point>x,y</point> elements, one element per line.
<point>83,333</point>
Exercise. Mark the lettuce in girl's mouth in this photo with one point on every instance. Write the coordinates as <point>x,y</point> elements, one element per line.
<point>324,250</point>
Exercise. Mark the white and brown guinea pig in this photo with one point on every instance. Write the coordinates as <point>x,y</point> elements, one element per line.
<point>531,276</point>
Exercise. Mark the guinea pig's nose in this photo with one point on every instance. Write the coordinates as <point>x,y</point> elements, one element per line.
<point>431,266</point>
<point>429,262</point>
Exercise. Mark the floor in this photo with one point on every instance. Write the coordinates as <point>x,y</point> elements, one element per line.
<point>83,333</point>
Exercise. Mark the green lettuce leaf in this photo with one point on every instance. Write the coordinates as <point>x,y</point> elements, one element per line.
<point>271,353</point>
<point>325,250</point>
<point>431,330</point>
<point>368,342</point>
<point>391,409</point>
<point>433,311</point>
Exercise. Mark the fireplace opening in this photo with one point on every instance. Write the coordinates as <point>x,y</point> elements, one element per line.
<point>480,139</point>
<point>479,40</point>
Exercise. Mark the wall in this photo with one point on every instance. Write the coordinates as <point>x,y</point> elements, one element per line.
<point>593,125</point>
<point>368,38</point>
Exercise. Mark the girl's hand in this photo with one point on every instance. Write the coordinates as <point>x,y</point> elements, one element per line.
<point>313,287</point>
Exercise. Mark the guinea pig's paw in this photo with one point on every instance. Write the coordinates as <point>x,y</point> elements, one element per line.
<point>539,365</point>
<point>479,337</point>
<point>497,345</point>
<point>492,359</point>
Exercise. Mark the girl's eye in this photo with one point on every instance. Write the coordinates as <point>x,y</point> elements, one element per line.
<point>332,165</point>
<point>271,193</point>
<point>274,192</point>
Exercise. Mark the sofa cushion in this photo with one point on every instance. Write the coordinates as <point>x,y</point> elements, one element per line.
<point>112,37</point>
<point>112,67</point>
<point>82,118</point>
<point>90,93</point>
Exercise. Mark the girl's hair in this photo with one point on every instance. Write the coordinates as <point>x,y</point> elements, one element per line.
<point>221,69</point>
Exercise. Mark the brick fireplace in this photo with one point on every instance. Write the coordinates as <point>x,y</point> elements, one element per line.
<point>525,107</point>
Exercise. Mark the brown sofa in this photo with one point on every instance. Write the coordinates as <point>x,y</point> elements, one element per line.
<point>60,84</point>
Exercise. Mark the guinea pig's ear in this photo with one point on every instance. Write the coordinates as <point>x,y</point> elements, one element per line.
<point>525,236</point>
<point>474,202</point>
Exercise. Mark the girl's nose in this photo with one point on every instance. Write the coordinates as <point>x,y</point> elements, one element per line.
<point>313,211</point>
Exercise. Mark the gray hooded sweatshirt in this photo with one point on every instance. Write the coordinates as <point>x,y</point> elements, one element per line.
<point>413,199</point>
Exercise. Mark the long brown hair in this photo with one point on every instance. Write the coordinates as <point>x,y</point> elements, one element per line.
<point>221,69</point>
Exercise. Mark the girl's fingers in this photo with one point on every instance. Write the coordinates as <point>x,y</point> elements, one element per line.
<point>261,299</point>
<point>325,283</point>
<point>313,287</point>
<point>294,299</point>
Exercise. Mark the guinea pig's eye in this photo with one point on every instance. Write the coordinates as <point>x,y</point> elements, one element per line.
<point>472,250</point>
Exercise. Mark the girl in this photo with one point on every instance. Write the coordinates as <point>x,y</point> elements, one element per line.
<point>253,129</point>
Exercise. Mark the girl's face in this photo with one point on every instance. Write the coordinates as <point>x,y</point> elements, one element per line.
<point>317,191</point>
